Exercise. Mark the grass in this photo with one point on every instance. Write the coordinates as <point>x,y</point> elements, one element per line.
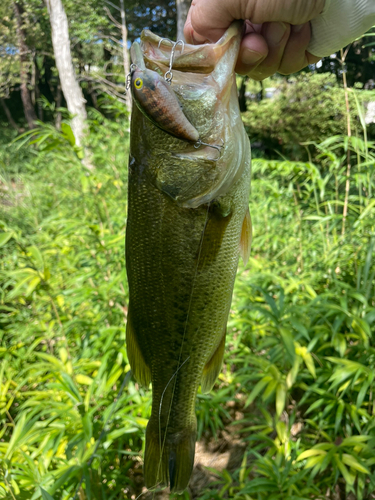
<point>298,379</point>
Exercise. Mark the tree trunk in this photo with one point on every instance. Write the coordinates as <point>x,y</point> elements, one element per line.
<point>23,51</point>
<point>8,114</point>
<point>37,91</point>
<point>182,10</point>
<point>91,92</point>
<point>241,95</point>
<point>63,57</point>
<point>124,36</point>
<point>261,92</point>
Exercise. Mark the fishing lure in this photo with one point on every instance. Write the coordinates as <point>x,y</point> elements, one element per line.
<point>157,101</point>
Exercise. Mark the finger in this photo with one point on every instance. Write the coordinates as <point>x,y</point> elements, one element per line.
<point>291,12</point>
<point>311,59</point>
<point>253,50</point>
<point>295,55</point>
<point>210,18</point>
<point>276,36</point>
<point>190,35</point>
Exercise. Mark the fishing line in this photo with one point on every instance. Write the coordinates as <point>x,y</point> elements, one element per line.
<point>162,397</point>
<point>182,344</point>
<point>160,405</point>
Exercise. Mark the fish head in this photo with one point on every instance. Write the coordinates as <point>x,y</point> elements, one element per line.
<point>187,120</point>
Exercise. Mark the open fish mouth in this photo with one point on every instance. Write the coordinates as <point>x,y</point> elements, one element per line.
<point>192,95</point>
<point>190,58</point>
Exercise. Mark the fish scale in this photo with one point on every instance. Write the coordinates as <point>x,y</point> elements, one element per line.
<point>182,251</point>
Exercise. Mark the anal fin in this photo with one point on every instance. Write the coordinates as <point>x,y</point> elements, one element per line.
<point>212,369</point>
<point>246,237</point>
<point>141,371</point>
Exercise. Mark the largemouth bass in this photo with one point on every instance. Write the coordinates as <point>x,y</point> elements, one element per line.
<point>188,221</point>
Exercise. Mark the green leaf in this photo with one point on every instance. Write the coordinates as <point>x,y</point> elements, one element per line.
<point>310,453</point>
<point>317,404</point>
<point>45,494</point>
<point>84,183</point>
<point>257,389</point>
<point>339,412</point>
<point>46,274</point>
<point>32,285</point>
<point>353,463</point>
<point>309,362</point>
<point>68,133</point>
<point>16,435</point>
<point>5,237</point>
<point>20,285</point>
<point>354,417</point>
<point>83,379</point>
<point>361,326</point>
<point>87,427</point>
<point>362,393</point>
<point>260,485</point>
<point>36,257</point>
<point>288,341</point>
<point>271,302</point>
<point>355,441</point>
<point>280,399</point>
<point>282,431</point>
<point>271,387</point>
<point>315,462</point>
<point>349,478</point>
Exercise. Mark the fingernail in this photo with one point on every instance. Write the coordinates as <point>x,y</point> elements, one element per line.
<point>275,32</point>
<point>249,57</point>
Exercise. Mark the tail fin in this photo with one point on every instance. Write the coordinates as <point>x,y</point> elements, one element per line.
<point>172,463</point>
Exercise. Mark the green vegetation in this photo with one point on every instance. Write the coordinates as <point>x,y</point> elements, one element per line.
<point>305,107</point>
<point>297,386</point>
<point>294,405</point>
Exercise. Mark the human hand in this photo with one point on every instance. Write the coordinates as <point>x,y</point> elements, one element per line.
<point>276,37</point>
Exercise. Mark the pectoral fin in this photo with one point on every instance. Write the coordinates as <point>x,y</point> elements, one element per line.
<point>141,371</point>
<point>212,369</point>
<point>246,237</point>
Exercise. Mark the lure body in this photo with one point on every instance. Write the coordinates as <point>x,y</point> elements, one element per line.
<point>156,100</point>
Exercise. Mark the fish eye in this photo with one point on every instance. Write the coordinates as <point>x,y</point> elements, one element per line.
<point>138,83</point>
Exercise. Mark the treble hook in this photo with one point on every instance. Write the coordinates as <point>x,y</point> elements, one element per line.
<point>169,75</point>
<point>162,40</point>
<point>218,147</point>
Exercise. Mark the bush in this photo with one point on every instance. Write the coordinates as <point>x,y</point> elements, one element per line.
<point>309,107</point>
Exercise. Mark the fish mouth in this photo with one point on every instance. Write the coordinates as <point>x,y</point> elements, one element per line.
<point>203,79</point>
<point>154,52</point>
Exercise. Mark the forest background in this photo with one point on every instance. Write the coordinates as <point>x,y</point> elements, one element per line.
<point>292,415</point>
